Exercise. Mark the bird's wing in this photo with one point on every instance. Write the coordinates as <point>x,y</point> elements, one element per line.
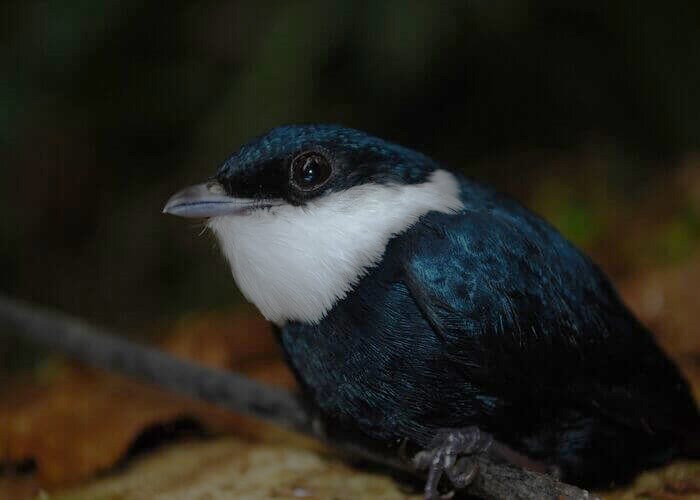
<point>496,285</point>
<point>504,291</point>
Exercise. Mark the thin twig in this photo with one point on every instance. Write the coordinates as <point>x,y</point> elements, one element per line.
<point>94,346</point>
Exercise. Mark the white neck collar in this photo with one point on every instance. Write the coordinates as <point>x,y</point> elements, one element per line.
<point>295,262</point>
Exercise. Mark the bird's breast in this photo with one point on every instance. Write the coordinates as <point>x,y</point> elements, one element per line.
<point>365,364</point>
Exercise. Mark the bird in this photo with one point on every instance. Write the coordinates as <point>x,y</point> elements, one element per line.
<point>422,310</point>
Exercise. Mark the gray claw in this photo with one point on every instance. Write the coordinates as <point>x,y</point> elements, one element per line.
<point>463,472</point>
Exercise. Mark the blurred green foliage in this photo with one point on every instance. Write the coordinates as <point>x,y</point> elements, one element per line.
<point>680,237</point>
<point>107,107</point>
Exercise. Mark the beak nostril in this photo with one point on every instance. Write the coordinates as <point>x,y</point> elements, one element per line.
<point>215,187</point>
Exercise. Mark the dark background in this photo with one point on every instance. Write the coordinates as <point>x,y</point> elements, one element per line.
<point>581,109</point>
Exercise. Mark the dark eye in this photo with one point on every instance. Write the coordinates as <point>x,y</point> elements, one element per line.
<point>310,170</point>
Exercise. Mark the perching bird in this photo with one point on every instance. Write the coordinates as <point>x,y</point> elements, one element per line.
<point>420,308</point>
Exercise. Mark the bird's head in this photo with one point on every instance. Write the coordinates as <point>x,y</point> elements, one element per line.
<point>295,165</point>
<point>304,211</point>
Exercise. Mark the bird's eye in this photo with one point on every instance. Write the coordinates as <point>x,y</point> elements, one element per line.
<point>310,170</point>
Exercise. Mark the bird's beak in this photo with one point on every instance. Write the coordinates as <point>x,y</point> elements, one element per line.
<point>206,200</point>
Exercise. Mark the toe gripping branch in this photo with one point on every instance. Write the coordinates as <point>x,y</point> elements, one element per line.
<point>453,453</point>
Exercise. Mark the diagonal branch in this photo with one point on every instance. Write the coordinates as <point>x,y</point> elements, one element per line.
<point>93,346</point>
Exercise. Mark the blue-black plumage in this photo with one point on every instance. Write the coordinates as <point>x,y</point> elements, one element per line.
<point>410,300</point>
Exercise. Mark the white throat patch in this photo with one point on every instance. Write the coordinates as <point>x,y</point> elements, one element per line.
<point>295,263</point>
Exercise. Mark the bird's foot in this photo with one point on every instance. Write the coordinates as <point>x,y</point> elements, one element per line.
<point>448,454</point>
<point>451,453</point>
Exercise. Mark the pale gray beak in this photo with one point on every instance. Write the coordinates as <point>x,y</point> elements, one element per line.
<point>207,200</point>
